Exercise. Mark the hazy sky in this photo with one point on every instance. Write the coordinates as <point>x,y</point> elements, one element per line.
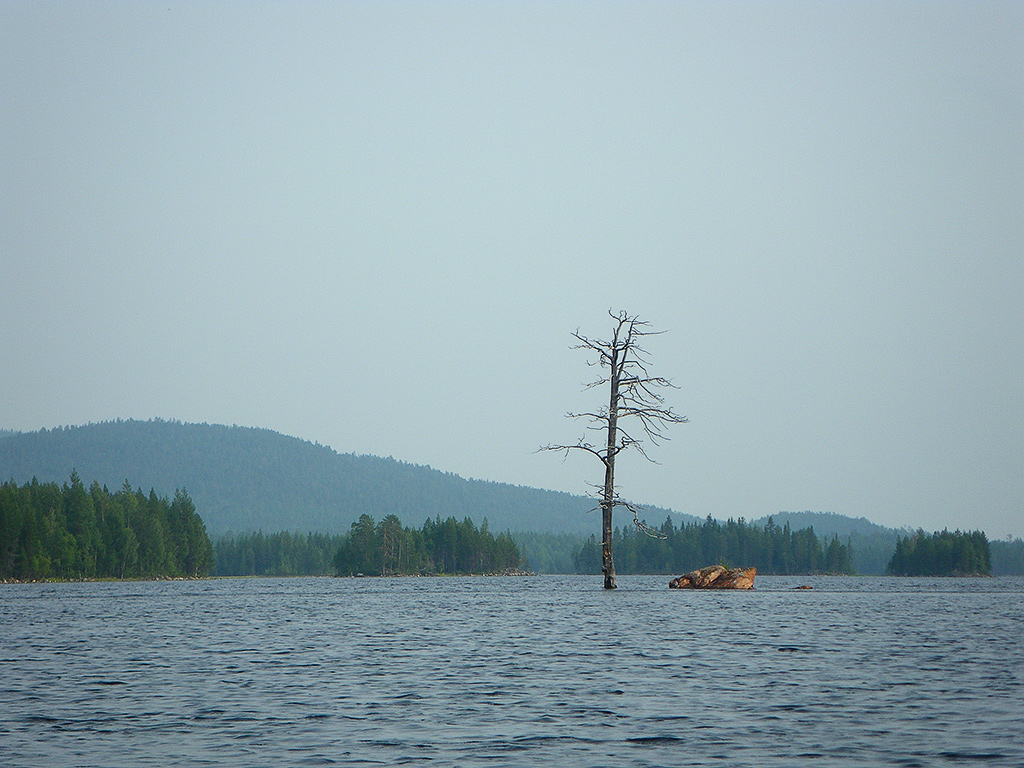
<point>376,225</point>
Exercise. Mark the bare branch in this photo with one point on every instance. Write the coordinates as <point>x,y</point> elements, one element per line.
<point>599,416</point>
<point>652,532</point>
<point>635,509</point>
<point>580,446</point>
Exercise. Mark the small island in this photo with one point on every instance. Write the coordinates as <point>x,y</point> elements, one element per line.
<point>716,577</point>
<point>441,547</point>
<point>941,554</point>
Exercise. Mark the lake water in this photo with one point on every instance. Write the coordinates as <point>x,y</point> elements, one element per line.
<point>540,671</point>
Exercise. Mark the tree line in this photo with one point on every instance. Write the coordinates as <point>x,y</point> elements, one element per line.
<point>276,554</point>
<point>313,554</point>
<point>772,549</point>
<point>50,531</point>
<point>370,548</point>
<point>1007,557</point>
<point>439,547</point>
<point>942,554</point>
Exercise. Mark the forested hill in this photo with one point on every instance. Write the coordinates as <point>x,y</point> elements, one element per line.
<point>244,479</point>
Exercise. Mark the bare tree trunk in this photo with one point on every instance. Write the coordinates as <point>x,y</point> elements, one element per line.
<point>608,497</point>
<point>607,565</point>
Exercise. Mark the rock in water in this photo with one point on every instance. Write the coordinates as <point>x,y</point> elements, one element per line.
<point>716,577</point>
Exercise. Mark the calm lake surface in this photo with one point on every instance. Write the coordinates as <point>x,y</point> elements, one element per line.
<point>539,671</point>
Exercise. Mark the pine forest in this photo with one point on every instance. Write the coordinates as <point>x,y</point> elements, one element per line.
<point>50,531</point>
<point>942,554</point>
<point>772,549</point>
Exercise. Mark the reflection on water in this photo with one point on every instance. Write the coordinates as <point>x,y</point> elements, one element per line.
<point>547,670</point>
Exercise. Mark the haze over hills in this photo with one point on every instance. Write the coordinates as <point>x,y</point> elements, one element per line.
<point>247,479</point>
<point>243,478</point>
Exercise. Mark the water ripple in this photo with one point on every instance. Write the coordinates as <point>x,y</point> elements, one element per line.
<point>542,671</point>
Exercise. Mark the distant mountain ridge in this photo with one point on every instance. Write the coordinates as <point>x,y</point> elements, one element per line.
<point>828,523</point>
<point>247,478</point>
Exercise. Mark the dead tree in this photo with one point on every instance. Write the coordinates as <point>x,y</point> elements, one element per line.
<point>633,394</point>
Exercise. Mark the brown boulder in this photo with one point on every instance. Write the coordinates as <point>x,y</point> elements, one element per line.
<point>716,577</point>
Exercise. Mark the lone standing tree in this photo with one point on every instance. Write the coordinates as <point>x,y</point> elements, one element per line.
<point>632,393</point>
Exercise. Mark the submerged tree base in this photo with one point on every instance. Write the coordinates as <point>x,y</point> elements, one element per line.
<point>716,577</point>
